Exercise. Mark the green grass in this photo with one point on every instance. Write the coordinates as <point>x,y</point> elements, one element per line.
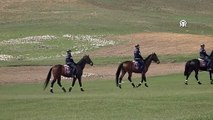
<point>21,19</point>
<point>103,16</point>
<point>100,61</point>
<point>167,98</point>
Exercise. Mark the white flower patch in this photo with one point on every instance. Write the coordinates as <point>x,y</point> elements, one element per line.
<point>5,57</point>
<point>93,41</point>
<point>39,58</point>
<point>84,75</point>
<point>28,40</point>
<point>96,41</point>
<point>88,74</point>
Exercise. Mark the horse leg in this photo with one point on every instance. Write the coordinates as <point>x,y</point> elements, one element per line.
<point>73,83</point>
<point>140,83</point>
<point>130,80</point>
<point>196,76</point>
<point>187,77</point>
<point>144,78</point>
<point>51,87</point>
<point>120,78</point>
<point>210,74</point>
<point>80,84</point>
<point>59,83</point>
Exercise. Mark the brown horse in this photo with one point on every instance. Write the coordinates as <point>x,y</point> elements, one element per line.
<point>59,70</point>
<point>128,66</point>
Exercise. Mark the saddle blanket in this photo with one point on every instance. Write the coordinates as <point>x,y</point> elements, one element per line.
<point>137,65</point>
<point>67,69</point>
<point>202,63</point>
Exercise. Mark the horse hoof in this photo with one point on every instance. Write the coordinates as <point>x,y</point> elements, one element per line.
<point>212,82</point>
<point>146,85</point>
<point>70,89</point>
<point>82,89</point>
<point>186,83</point>
<point>199,83</point>
<point>138,85</point>
<point>64,89</point>
<point>133,85</point>
<point>51,91</point>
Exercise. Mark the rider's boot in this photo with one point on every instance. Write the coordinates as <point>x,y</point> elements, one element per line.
<point>74,73</point>
<point>209,66</point>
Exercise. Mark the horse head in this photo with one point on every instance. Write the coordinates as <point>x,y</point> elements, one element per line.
<point>155,58</point>
<point>88,60</point>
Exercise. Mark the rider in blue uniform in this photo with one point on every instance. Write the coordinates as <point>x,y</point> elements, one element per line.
<point>70,62</point>
<point>205,56</point>
<point>138,57</point>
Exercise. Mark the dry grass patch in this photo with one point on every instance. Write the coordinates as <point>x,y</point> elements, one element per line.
<point>161,43</point>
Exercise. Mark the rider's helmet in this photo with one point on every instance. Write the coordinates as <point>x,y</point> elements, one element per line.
<point>137,46</point>
<point>202,45</point>
<point>68,50</point>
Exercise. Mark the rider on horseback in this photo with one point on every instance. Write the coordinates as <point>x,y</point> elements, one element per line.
<point>205,56</point>
<point>138,57</point>
<point>70,62</point>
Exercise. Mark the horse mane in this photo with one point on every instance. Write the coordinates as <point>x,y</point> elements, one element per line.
<point>211,53</point>
<point>81,60</point>
<point>148,57</point>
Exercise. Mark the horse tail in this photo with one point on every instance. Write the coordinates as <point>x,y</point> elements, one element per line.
<point>186,68</point>
<point>47,79</point>
<point>118,73</point>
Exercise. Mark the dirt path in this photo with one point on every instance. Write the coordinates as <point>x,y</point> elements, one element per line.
<point>29,74</point>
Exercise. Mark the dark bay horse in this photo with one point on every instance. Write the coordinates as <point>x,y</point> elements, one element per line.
<point>59,70</point>
<point>194,65</point>
<point>129,67</point>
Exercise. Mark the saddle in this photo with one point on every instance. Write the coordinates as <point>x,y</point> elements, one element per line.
<point>68,70</point>
<point>203,63</point>
<point>137,65</point>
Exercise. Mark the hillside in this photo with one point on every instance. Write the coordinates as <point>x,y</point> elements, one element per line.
<point>38,32</point>
<point>103,17</point>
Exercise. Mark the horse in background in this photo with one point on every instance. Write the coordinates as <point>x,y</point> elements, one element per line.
<point>196,66</point>
<point>129,67</point>
<point>60,70</point>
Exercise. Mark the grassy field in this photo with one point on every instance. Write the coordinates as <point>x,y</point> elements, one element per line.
<point>167,98</point>
<point>38,32</point>
<point>21,20</point>
<point>103,16</point>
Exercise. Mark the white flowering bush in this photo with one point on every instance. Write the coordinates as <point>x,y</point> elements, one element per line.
<point>28,40</point>
<point>5,57</point>
<point>91,42</point>
<point>35,47</point>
